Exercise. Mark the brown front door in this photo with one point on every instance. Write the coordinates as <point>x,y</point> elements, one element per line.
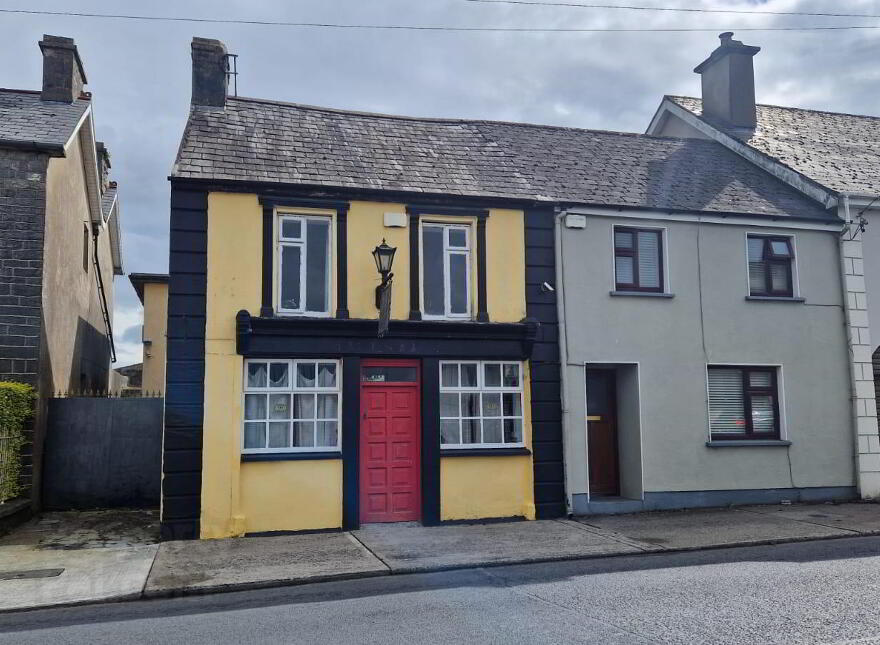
<point>602,432</point>
<point>390,479</point>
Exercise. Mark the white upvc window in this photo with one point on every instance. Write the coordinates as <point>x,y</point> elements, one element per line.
<point>481,404</point>
<point>446,270</point>
<point>304,265</point>
<point>291,406</point>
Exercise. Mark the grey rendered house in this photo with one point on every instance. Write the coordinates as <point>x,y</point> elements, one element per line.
<point>59,239</point>
<point>831,159</point>
<point>697,373</point>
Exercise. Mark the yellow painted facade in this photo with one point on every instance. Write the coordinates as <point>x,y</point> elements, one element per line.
<point>155,329</point>
<point>239,498</point>
<point>485,487</point>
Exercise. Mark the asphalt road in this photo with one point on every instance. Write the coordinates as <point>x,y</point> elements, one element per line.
<point>811,592</point>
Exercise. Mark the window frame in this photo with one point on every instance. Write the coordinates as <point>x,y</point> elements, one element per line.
<point>635,287</point>
<point>788,262</point>
<point>302,243</point>
<point>481,389</point>
<point>291,390</point>
<point>448,251</point>
<point>748,391</point>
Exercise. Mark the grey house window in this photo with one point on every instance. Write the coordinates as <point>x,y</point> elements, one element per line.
<point>638,259</point>
<point>770,266</point>
<point>743,402</point>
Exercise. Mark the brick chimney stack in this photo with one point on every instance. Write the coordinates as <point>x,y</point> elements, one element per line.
<point>209,66</point>
<point>728,80</point>
<point>63,74</point>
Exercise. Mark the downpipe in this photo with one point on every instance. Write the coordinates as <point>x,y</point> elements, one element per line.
<point>559,214</point>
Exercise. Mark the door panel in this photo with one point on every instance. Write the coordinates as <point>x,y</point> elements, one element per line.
<point>390,477</point>
<point>602,433</point>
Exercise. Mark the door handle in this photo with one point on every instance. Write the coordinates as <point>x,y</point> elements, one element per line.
<point>594,418</point>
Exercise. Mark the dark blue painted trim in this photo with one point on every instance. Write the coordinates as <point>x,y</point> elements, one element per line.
<point>484,452</point>
<point>185,373</point>
<point>547,460</point>
<point>430,441</point>
<point>272,201</point>
<point>437,209</point>
<point>290,456</point>
<point>351,421</point>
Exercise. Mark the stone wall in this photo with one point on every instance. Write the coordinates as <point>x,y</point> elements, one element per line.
<point>22,206</point>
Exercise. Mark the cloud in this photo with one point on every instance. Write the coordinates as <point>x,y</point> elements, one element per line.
<point>139,73</point>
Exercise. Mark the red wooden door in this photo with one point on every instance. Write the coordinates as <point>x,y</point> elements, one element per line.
<point>390,475</point>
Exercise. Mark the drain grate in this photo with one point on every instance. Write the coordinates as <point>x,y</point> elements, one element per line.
<point>30,573</point>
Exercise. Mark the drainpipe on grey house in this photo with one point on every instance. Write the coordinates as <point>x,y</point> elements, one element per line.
<point>864,403</point>
<point>559,214</point>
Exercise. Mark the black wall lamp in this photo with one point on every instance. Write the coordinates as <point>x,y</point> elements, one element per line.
<point>384,257</point>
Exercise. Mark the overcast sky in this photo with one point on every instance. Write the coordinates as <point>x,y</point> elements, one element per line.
<point>139,75</point>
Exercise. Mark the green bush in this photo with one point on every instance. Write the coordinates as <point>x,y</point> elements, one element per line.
<point>16,407</point>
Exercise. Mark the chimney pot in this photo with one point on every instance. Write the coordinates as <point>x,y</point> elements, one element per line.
<point>728,82</point>
<point>63,74</point>
<point>209,67</point>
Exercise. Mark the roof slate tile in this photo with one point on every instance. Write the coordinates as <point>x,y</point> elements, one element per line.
<point>26,119</point>
<point>838,151</point>
<point>287,143</point>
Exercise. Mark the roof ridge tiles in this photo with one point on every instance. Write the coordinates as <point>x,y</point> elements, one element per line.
<point>789,107</point>
<point>448,120</point>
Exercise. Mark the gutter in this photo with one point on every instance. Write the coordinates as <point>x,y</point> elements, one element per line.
<point>102,294</point>
<point>53,149</point>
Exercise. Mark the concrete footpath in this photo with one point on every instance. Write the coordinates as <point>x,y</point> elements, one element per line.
<point>76,558</point>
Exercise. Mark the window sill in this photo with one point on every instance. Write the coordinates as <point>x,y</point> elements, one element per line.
<point>301,314</point>
<point>484,452</point>
<point>289,456</point>
<point>776,299</point>
<point>746,443</point>
<point>647,294</point>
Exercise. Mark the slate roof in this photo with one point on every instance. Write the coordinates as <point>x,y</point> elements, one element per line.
<point>138,280</point>
<point>107,199</point>
<point>26,121</point>
<point>265,141</point>
<point>839,151</point>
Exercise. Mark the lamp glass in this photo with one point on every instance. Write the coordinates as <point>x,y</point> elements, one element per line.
<point>384,257</point>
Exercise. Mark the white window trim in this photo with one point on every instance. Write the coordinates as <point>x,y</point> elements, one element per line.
<point>447,252</point>
<point>795,274</point>
<point>302,243</point>
<point>780,392</point>
<point>481,388</point>
<point>292,389</point>
<point>664,259</point>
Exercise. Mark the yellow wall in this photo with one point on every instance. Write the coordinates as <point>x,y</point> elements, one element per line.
<point>155,328</point>
<point>366,229</point>
<point>240,498</point>
<point>292,495</point>
<point>483,487</point>
<point>480,487</point>
<point>505,261</point>
<point>505,265</point>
